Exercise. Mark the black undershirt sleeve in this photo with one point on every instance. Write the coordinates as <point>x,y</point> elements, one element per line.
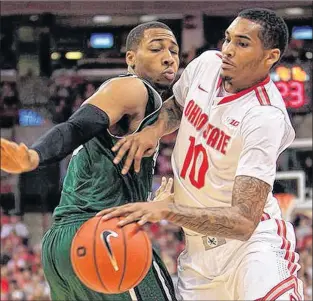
<point>87,122</point>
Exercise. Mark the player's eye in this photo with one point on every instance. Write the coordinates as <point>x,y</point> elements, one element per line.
<point>226,40</point>
<point>155,49</point>
<point>244,45</point>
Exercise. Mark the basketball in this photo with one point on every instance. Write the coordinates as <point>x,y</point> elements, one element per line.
<point>109,259</point>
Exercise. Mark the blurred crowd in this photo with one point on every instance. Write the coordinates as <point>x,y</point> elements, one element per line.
<point>22,276</point>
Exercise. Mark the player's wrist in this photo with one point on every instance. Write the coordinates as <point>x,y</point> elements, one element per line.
<point>159,129</point>
<point>154,130</point>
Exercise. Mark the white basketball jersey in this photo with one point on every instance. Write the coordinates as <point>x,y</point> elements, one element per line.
<point>222,137</point>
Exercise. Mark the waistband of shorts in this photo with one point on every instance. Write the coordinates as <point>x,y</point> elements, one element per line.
<point>73,219</point>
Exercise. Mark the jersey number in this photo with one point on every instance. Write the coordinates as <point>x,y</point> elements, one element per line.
<point>195,153</point>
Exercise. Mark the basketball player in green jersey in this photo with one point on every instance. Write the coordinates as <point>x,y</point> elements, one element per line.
<point>121,106</point>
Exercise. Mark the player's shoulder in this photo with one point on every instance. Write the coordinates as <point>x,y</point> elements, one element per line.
<point>130,89</point>
<point>131,80</point>
<point>265,116</point>
<point>128,85</point>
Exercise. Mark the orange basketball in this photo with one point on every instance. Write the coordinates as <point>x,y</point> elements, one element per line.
<point>109,259</point>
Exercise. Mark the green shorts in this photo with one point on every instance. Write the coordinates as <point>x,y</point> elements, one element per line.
<point>64,285</point>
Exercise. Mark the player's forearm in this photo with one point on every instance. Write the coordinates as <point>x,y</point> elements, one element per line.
<point>220,222</point>
<point>237,222</point>
<point>64,138</point>
<point>169,118</point>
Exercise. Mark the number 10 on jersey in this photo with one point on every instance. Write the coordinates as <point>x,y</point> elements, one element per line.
<point>195,153</point>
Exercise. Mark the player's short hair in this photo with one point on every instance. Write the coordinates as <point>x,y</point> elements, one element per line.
<point>136,34</point>
<point>274,32</point>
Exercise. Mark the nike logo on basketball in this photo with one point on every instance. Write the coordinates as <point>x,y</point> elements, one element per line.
<point>106,236</point>
<point>200,88</point>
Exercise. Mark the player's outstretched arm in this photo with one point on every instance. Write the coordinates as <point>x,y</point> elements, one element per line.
<point>104,108</point>
<point>145,142</point>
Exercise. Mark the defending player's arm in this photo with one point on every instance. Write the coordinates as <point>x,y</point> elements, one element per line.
<point>145,142</point>
<point>169,118</point>
<point>103,109</point>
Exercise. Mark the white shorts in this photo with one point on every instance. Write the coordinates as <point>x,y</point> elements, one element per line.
<point>263,268</point>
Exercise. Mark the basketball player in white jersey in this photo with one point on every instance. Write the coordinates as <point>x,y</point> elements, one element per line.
<point>233,125</point>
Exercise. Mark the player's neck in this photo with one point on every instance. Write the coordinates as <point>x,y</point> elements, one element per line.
<point>231,86</point>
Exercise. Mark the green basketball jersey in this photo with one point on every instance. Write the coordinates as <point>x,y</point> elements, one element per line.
<point>93,182</point>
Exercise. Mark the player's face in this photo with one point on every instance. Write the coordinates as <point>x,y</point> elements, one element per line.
<point>245,60</point>
<point>156,58</point>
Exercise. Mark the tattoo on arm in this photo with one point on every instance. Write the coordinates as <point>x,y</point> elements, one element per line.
<point>170,115</point>
<point>250,195</point>
<point>236,222</point>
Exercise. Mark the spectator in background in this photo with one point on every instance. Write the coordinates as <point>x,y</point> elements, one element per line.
<point>15,226</point>
<point>9,104</point>
<point>61,110</point>
<point>78,101</point>
<point>7,90</point>
<point>4,284</point>
<point>33,90</point>
<point>164,166</point>
<point>90,89</point>
<point>303,229</point>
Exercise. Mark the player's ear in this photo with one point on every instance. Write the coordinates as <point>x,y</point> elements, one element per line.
<point>273,56</point>
<point>131,58</point>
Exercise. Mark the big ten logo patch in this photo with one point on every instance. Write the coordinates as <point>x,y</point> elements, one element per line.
<point>231,122</point>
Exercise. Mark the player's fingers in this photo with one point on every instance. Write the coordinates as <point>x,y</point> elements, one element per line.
<point>162,187</point>
<point>8,147</point>
<point>130,218</point>
<point>108,210</point>
<point>144,219</point>
<point>137,161</point>
<point>129,159</point>
<point>105,211</point>
<point>114,213</point>
<point>4,142</point>
<point>118,144</point>
<point>23,153</point>
<point>118,211</point>
<point>23,147</point>
<point>122,151</point>
<point>169,185</point>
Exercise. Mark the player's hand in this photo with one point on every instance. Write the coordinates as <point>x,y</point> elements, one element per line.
<point>17,158</point>
<point>137,146</point>
<point>141,213</point>
<point>164,190</point>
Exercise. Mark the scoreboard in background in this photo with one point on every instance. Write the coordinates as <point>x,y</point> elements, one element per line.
<point>294,82</point>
